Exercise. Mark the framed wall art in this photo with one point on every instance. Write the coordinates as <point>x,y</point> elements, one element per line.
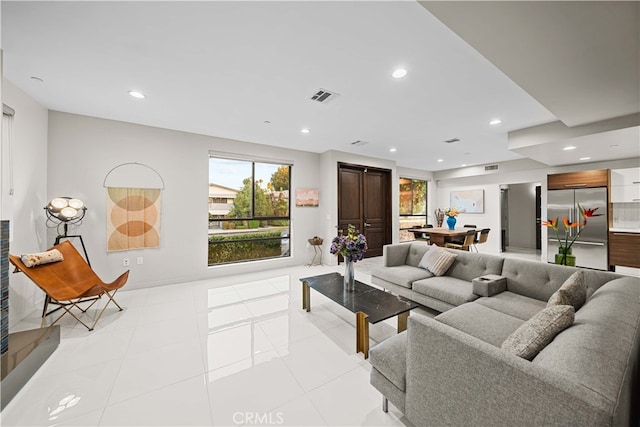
<point>307,197</point>
<point>468,201</point>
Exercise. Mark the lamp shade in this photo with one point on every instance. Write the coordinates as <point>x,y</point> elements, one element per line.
<point>65,209</point>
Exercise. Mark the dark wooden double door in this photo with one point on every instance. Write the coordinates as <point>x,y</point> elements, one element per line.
<point>364,200</point>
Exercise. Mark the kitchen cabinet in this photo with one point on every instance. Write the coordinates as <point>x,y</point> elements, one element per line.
<point>624,249</point>
<point>625,185</point>
<point>582,179</point>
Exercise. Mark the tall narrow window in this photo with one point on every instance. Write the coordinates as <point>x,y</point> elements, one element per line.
<point>413,206</point>
<point>248,210</point>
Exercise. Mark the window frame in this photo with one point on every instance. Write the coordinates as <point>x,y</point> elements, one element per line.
<point>253,216</point>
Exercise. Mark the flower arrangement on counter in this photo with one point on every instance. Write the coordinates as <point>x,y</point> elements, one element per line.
<point>564,248</point>
<point>351,246</point>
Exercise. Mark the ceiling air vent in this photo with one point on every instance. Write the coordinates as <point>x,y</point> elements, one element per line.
<point>452,140</point>
<point>324,96</point>
<point>491,168</point>
<point>359,143</point>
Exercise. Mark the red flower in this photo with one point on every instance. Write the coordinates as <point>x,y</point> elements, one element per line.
<point>553,223</point>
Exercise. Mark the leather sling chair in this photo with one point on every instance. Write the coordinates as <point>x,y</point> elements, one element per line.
<point>70,282</point>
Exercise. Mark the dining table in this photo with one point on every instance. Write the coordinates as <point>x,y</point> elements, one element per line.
<point>441,235</point>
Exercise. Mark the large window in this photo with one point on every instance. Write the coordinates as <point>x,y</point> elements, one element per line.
<point>413,206</point>
<point>248,210</point>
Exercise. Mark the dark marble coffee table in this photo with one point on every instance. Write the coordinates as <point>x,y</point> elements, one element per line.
<point>371,305</point>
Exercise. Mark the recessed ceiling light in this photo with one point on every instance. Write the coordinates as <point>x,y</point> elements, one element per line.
<point>399,73</point>
<point>305,130</point>
<point>36,78</point>
<point>393,150</point>
<point>440,160</point>
<point>267,122</point>
<point>463,165</point>
<point>614,145</point>
<point>569,147</point>
<point>495,122</point>
<point>136,94</point>
<point>585,158</point>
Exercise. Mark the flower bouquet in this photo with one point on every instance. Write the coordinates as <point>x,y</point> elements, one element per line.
<point>352,247</point>
<point>451,214</point>
<point>564,256</point>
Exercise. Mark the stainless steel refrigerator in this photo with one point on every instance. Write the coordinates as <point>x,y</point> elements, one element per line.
<point>590,249</point>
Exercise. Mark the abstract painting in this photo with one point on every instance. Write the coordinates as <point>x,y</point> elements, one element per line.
<point>469,201</point>
<point>133,218</point>
<point>307,197</point>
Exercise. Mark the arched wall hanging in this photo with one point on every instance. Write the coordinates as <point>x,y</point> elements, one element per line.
<point>134,196</point>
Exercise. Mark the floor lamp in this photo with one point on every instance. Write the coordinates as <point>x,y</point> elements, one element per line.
<point>65,211</point>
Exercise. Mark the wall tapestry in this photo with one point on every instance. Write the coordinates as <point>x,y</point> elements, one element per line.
<point>307,197</point>
<point>133,218</point>
<point>469,201</point>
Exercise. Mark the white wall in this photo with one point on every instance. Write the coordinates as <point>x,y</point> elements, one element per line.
<point>30,195</point>
<point>522,215</point>
<point>82,150</point>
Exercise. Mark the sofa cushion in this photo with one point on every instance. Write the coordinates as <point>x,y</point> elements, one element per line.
<point>403,275</point>
<point>448,289</point>
<point>540,280</point>
<point>390,359</point>
<point>572,292</point>
<point>537,332</point>
<point>482,322</point>
<point>595,351</point>
<point>513,304</point>
<point>437,260</point>
<point>416,252</point>
<point>467,266</point>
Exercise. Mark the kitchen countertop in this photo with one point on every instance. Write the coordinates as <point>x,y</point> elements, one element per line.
<point>624,230</point>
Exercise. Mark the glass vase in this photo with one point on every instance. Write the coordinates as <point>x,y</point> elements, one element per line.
<point>564,257</point>
<point>349,275</point>
<point>451,222</point>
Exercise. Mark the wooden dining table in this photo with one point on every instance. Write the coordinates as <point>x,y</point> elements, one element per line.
<point>441,235</point>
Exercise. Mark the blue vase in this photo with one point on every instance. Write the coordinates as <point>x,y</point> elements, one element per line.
<point>451,222</point>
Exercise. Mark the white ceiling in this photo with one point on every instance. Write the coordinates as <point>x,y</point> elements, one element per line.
<point>224,68</point>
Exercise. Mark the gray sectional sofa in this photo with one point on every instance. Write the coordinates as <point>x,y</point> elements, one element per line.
<point>451,369</point>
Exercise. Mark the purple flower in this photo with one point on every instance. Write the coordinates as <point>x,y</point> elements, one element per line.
<point>352,246</point>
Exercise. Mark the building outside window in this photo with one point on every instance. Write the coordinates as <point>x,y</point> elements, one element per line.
<point>249,208</point>
<point>413,206</point>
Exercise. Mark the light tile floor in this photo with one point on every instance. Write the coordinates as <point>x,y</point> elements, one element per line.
<point>229,351</point>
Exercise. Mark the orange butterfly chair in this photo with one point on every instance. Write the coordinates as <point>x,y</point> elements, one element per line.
<point>70,282</point>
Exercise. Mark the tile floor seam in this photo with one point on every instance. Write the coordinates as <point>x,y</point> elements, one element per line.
<point>109,404</point>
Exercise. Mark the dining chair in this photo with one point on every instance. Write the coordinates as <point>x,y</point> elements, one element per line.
<point>484,235</point>
<point>419,235</point>
<point>466,243</point>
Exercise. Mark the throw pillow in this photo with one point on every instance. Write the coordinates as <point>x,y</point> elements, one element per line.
<point>31,260</point>
<point>572,292</point>
<point>534,335</point>
<point>437,260</point>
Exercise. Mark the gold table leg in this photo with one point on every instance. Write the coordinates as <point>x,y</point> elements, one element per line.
<point>306,297</point>
<point>362,334</point>
<point>402,321</point>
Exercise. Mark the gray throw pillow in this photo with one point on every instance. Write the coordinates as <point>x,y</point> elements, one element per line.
<point>534,335</point>
<point>572,292</point>
<point>437,260</point>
